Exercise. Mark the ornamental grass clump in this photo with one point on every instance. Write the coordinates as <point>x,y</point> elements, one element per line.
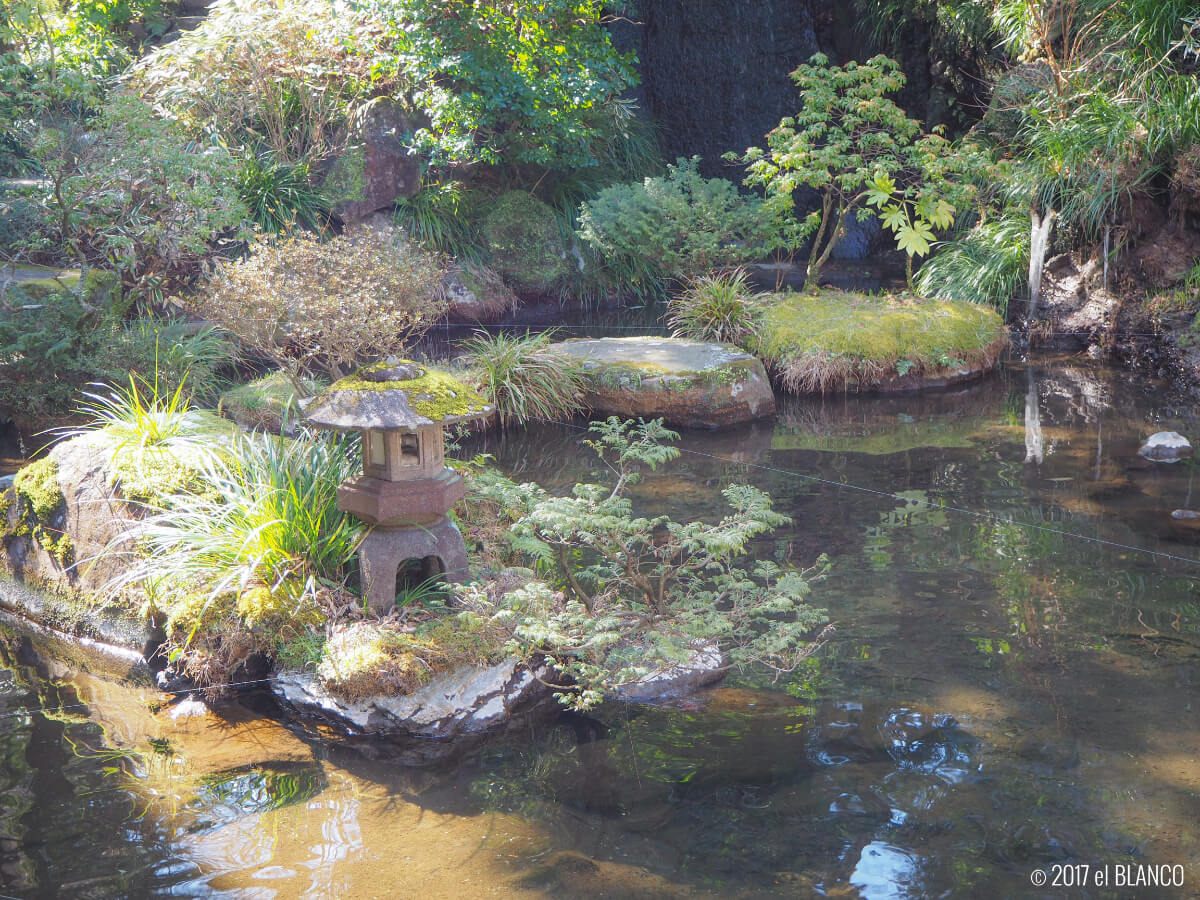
<point>522,378</point>
<point>314,306</point>
<point>259,543</point>
<point>720,307</point>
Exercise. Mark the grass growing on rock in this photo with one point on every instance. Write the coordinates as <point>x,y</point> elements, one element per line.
<point>266,403</point>
<point>835,339</point>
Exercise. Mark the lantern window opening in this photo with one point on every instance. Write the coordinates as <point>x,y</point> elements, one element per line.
<point>376,461</point>
<point>410,449</point>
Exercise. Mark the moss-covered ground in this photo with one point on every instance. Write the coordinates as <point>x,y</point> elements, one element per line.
<point>835,340</point>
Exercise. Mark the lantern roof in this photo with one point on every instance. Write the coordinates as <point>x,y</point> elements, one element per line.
<point>395,394</point>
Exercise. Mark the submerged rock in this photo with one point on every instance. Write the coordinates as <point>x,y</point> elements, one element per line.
<point>469,702</point>
<point>1166,446</point>
<point>705,665</point>
<point>689,383</point>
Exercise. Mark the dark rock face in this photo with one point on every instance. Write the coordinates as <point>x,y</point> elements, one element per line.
<point>715,74</point>
<point>377,170</point>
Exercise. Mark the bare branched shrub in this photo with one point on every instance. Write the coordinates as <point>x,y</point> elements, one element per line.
<point>325,307</point>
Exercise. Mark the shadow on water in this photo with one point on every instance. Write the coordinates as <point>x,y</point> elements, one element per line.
<point>1010,688</point>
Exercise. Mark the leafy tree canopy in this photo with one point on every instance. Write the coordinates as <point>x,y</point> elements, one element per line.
<point>853,145</point>
<point>518,81</point>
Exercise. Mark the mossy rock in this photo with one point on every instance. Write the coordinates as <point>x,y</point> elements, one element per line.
<point>838,340</point>
<point>268,403</point>
<point>38,511</point>
<point>477,293</point>
<point>526,246</point>
<point>690,383</point>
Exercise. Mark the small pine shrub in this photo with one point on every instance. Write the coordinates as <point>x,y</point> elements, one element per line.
<point>677,226</point>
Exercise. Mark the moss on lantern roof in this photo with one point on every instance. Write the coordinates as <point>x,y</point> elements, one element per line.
<point>432,395</point>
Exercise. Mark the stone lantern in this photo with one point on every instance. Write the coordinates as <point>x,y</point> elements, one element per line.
<point>405,489</point>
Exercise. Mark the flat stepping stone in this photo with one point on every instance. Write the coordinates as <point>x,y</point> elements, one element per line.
<point>689,383</point>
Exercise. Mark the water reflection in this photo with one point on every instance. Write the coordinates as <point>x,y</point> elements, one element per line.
<point>998,697</point>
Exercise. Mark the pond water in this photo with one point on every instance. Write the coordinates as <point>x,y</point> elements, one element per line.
<point>1011,686</point>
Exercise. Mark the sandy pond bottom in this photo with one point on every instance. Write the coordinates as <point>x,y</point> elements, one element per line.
<point>998,698</point>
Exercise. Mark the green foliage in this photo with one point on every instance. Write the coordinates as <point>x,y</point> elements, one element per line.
<point>953,39</point>
<point>327,306</point>
<point>50,349</point>
<point>279,196</point>
<point>910,217</point>
<point>989,264</point>
<point>675,227</point>
<point>145,417</point>
<point>248,558</point>
<point>522,379</point>
<point>640,595</point>
<point>56,57</point>
<point>157,442</point>
<point>437,217</point>
<point>522,238</point>
<point>720,308</point>
<point>848,137</point>
<point>513,83</point>
<point>1102,110</point>
<point>129,191</point>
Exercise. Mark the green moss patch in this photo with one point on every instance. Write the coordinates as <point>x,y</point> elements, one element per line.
<point>366,660</point>
<point>836,339</point>
<point>40,507</point>
<point>153,474</point>
<point>264,403</point>
<point>523,239</point>
<point>434,395</point>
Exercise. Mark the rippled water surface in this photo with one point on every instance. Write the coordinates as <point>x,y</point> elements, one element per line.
<point>1000,695</point>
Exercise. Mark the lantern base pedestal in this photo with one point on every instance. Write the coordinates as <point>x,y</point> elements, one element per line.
<point>439,548</point>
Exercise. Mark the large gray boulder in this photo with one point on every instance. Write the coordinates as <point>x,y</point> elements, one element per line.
<point>685,382</point>
<point>418,728</point>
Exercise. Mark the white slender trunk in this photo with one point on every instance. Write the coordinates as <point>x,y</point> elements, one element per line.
<point>1039,238</point>
<point>1034,444</point>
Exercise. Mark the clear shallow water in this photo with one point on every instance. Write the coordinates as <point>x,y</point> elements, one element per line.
<point>997,698</point>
